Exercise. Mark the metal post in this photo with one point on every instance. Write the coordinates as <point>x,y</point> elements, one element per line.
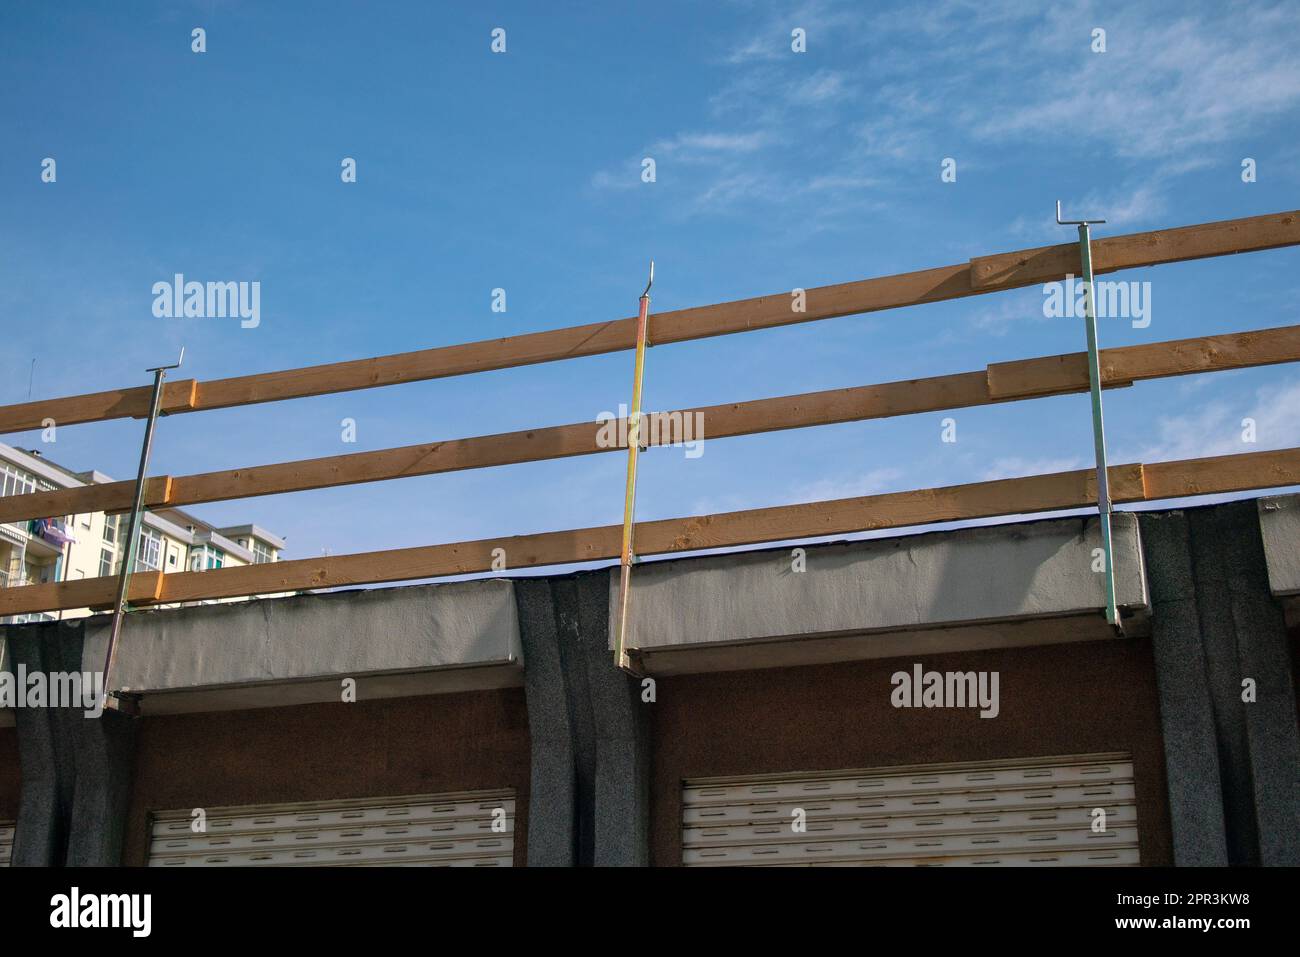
<point>1098,425</point>
<point>117,699</point>
<point>621,657</point>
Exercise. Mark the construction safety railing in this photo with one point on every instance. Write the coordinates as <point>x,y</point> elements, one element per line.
<point>996,383</point>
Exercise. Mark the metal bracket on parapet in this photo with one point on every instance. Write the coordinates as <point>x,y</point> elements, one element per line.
<point>118,700</point>
<point>1104,508</point>
<point>623,658</point>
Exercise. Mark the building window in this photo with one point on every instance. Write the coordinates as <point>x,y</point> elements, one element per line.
<point>262,553</point>
<point>107,559</point>
<point>205,558</point>
<point>148,556</point>
<point>111,526</point>
<point>15,482</point>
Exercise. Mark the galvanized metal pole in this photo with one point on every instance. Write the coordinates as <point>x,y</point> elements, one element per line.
<point>114,699</point>
<point>621,657</point>
<point>1104,507</point>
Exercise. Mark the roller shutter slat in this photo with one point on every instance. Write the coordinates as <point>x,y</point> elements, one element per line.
<point>426,830</point>
<point>1094,795</point>
<point>1035,813</point>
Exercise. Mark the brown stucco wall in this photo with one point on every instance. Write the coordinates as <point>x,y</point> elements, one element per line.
<point>10,778</point>
<point>322,752</point>
<point>1055,700</point>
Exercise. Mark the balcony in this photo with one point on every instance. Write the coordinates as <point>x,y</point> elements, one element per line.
<point>15,532</point>
<point>13,581</point>
<point>46,538</point>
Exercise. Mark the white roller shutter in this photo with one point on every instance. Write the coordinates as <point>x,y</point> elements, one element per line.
<point>431,830</point>
<point>6,842</point>
<point>1009,813</point>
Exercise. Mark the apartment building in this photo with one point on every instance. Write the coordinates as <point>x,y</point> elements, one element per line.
<point>70,547</point>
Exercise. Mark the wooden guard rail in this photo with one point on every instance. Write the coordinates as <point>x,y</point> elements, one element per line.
<point>1000,382</point>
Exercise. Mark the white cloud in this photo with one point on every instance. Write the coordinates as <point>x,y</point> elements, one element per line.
<point>823,23</point>
<point>892,137</point>
<point>836,183</point>
<point>608,179</point>
<point>1166,97</point>
<point>732,188</point>
<point>1124,209</point>
<point>714,149</point>
<point>1016,467</point>
<point>823,86</point>
<point>758,48</point>
<point>996,316</point>
<point>869,483</point>
<point>1215,428</point>
<point>702,147</point>
<point>1163,87</point>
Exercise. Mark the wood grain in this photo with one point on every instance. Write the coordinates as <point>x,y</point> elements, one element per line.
<point>178,396</point>
<point>1053,375</point>
<point>1016,496</point>
<point>1001,382</point>
<point>1133,250</point>
<point>984,274</point>
<point>145,588</point>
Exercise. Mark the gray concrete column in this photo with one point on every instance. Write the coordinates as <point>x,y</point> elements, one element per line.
<point>1246,639</point>
<point>40,833</point>
<point>590,730</point>
<point>76,770</point>
<point>622,725</point>
<point>551,809</point>
<point>1186,711</point>
<point>104,750</point>
<point>1211,540</point>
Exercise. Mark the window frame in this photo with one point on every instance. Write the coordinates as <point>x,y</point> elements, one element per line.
<point>154,542</point>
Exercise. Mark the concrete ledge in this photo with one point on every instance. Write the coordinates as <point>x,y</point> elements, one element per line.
<point>395,641</point>
<point>831,649</point>
<point>939,581</point>
<point>1279,526</point>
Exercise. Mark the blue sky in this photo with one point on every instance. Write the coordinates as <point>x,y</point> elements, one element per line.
<point>521,170</point>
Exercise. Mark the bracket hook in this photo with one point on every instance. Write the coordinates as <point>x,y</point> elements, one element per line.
<point>176,365</point>
<point>1074,222</point>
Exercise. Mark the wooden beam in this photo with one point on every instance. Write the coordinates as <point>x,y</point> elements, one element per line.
<point>985,274</point>
<point>178,396</point>
<point>108,497</point>
<point>1051,375</point>
<point>1001,382</point>
<point>1018,496</point>
<point>1051,263</point>
<point>1222,474</point>
<point>583,438</point>
<point>145,588</point>
<point>529,445</point>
